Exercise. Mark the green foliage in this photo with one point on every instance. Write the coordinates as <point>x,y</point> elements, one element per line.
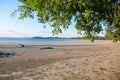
<point>108,36</point>
<point>87,14</point>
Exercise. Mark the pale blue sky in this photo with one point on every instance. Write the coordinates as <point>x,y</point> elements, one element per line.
<point>12,27</point>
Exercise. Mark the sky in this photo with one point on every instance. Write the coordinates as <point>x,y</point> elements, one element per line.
<point>12,27</point>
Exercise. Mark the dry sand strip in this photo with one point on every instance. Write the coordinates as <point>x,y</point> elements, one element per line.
<point>70,61</point>
<point>78,69</point>
<point>102,67</point>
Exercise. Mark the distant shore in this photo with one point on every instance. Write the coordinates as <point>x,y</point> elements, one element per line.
<point>62,61</point>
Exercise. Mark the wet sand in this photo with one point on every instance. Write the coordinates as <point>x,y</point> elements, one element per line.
<point>66,61</point>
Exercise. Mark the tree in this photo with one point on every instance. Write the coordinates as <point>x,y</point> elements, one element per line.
<point>88,15</point>
<point>108,36</point>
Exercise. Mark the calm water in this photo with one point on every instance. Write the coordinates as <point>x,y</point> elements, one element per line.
<point>35,40</point>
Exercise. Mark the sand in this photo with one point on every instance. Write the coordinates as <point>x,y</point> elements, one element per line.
<point>66,61</point>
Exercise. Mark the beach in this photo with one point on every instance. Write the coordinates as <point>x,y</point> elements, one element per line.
<point>82,60</point>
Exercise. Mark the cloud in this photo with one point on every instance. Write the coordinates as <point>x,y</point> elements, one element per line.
<point>49,32</point>
<point>9,31</point>
<point>1,30</point>
<point>12,33</point>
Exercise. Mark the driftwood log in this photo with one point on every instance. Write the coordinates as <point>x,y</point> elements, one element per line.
<point>46,48</point>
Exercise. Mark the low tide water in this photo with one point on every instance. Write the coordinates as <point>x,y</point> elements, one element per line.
<point>37,40</point>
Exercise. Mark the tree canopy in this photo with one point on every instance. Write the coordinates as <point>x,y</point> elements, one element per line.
<point>88,15</point>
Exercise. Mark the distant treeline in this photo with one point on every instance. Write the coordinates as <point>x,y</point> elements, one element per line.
<point>96,38</point>
<point>45,37</point>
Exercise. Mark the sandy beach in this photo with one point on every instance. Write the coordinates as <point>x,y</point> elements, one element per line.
<point>66,61</point>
